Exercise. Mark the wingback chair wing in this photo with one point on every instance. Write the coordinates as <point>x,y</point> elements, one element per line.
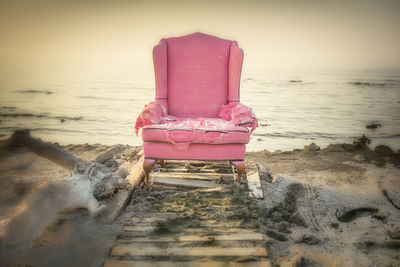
<point>197,113</point>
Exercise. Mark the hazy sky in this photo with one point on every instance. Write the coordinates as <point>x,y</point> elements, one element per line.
<point>39,37</point>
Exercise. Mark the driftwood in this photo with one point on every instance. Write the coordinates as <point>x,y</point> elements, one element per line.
<point>104,183</point>
<point>136,172</point>
<point>47,150</point>
<point>110,153</point>
<point>187,183</point>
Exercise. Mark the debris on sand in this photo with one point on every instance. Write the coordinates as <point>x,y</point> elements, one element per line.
<point>312,148</point>
<point>361,142</point>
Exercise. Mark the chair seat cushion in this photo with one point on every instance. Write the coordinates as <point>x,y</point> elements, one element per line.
<point>196,131</point>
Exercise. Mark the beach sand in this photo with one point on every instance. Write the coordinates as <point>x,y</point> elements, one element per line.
<point>337,206</point>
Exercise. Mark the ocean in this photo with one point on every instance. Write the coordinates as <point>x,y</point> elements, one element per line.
<point>294,108</point>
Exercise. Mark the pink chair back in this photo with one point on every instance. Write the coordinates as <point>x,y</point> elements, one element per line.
<point>196,74</point>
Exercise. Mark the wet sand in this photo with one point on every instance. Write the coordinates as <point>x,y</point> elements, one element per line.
<point>338,205</point>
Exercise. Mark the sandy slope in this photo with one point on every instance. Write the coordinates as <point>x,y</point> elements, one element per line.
<point>327,206</point>
<point>339,205</point>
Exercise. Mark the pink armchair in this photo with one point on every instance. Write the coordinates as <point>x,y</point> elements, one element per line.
<point>196,114</point>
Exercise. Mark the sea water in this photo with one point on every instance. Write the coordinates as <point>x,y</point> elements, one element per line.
<point>294,108</point>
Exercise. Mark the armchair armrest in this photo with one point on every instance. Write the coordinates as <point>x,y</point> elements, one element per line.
<point>239,115</point>
<point>152,113</point>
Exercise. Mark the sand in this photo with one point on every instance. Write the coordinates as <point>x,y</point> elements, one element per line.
<point>337,206</point>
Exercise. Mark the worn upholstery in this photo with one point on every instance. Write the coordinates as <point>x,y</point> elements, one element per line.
<point>196,131</point>
<point>197,113</point>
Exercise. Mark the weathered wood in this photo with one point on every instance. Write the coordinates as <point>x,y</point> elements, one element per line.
<point>155,216</point>
<point>47,150</point>
<point>184,170</point>
<point>196,162</point>
<point>215,189</point>
<point>136,172</point>
<point>254,183</point>
<point>119,202</point>
<point>160,214</point>
<point>139,228</point>
<point>217,229</point>
<point>188,175</point>
<point>139,154</point>
<point>115,206</point>
<point>117,263</point>
<point>121,250</point>
<point>205,223</point>
<point>245,236</point>
<point>162,187</point>
<point>188,183</point>
<point>264,173</point>
<point>211,242</point>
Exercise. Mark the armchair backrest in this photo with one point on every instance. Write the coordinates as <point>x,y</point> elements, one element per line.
<point>196,74</point>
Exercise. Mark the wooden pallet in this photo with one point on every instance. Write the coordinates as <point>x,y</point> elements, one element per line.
<point>236,246</point>
<point>204,176</point>
<point>211,243</point>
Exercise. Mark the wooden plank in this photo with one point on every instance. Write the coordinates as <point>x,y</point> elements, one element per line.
<point>189,175</point>
<point>221,244</point>
<point>119,202</point>
<point>115,206</point>
<point>136,172</point>
<point>121,250</point>
<point>162,187</point>
<point>215,189</point>
<point>188,183</point>
<point>205,223</point>
<point>139,228</point>
<point>211,224</point>
<point>200,170</point>
<point>166,215</point>
<point>139,154</point>
<point>197,162</point>
<point>160,214</point>
<point>147,219</point>
<point>198,238</point>
<point>123,263</point>
<point>254,183</point>
<point>144,229</point>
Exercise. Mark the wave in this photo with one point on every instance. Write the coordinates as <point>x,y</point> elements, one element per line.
<point>100,98</point>
<point>107,98</point>
<point>43,129</point>
<point>7,108</point>
<point>368,84</point>
<point>35,92</point>
<point>388,136</point>
<point>316,135</point>
<point>300,135</point>
<point>40,116</point>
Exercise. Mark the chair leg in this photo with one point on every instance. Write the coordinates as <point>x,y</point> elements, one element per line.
<point>240,169</point>
<point>147,165</point>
